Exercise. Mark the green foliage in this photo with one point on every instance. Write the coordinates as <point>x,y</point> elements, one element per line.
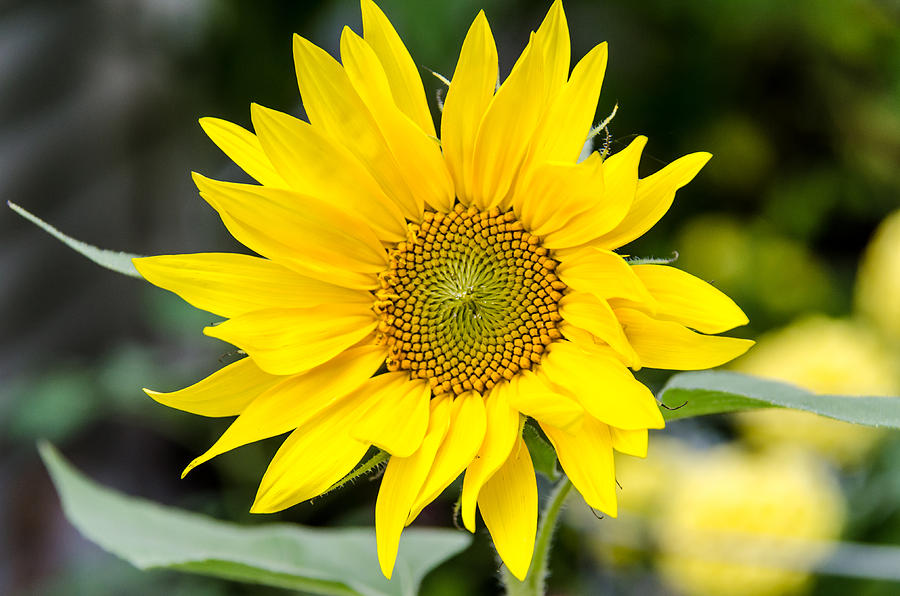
<point>336,561</point>
<point>715,392</point>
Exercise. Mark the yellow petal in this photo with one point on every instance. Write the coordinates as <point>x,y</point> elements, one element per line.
<point>310,460</point>
<point>289,341</point>
<point>244,149</point>
<point>308,161</point>
<point>468,423</point>
<point>230,284</point>
<point>531,396</point>
<point>653,198</point>
<point>602,273</point>
<point>562,132</point>
<point>508,504</point>
<point>604,387</point>
<point>500,436</point>
<point>287,255</point>
<point>595,316</point>
<point>575,334</point>
<point>587,459</point>
<point>629,442</point>
<point>621,172</point>
<point>337,111</point>
<point>607,207</point>
<point>468,97</point>
<point>395,414</point>
<point>226,392</point>
<point>553,37</point>
<point>302,232</point>
<point>552,42</point>
<point>688,300</point>
<point>406,84</point>
<point>664,344</point>
<point>506,128</point>
<point>558,193</point>
<point>417,154</point>
<point>296,401</point>
<point>402,480</point>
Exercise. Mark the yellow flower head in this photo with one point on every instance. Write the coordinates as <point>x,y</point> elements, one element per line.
<point>424,295</point>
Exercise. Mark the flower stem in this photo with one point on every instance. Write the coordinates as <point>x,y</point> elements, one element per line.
<point>536,580</point>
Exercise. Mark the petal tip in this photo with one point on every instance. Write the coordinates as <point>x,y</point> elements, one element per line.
<point>467,513</point>
<point>387,561</point>
<point>300,44</point>
<point>519,571</point>
<point>189,467</point>
<point>700,158</point>
<point>261,505</point>
<point>201,182</point>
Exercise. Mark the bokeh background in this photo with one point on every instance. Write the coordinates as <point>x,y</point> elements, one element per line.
<point>798,101</point>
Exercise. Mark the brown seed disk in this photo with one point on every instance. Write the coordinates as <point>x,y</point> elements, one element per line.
<point>468,299</point>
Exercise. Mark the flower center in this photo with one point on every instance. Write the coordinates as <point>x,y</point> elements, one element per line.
<point>470,298</point>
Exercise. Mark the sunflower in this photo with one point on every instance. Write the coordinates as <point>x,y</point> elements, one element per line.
<point>425,296</point>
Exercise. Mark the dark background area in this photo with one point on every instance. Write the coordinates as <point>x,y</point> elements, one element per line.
<point>799,102</point>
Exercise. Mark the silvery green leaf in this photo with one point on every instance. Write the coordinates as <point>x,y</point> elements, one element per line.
<point>321,561</point>
<point>120,262</point>
<point>714,392</point>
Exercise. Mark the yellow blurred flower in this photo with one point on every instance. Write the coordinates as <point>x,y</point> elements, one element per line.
<point>645,482</point>
<point>748,259</point>
<point>878,283</point>
<point>823,355</point>
<point>738,524</point>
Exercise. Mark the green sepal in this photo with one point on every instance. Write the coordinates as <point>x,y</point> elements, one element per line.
<point>370,465</point>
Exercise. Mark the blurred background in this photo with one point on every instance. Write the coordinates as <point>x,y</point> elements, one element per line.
<point>800,104</point>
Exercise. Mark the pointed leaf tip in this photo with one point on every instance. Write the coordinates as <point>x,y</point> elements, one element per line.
<point>120,262</point>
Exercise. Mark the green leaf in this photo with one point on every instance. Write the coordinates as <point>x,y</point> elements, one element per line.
<point>120,262</point>
<point>714,392</point>
<point>334,561</point>
<point>542,454</point>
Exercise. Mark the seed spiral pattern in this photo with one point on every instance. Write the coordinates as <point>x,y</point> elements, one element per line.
<point>468,299</point>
